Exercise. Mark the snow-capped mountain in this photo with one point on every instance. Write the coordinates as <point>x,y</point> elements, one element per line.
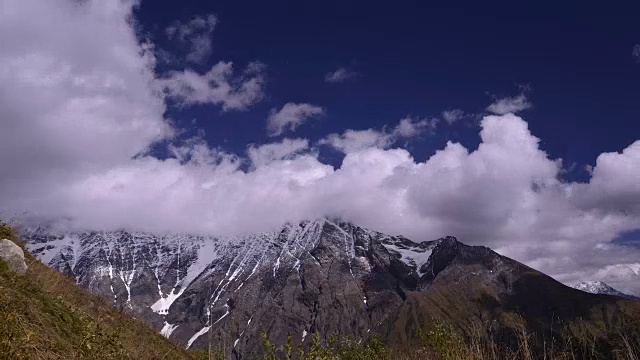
<point>188,285</point>
<point>319,276</point>
<point>599,287</point>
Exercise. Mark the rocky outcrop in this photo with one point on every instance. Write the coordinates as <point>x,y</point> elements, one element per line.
<point>13,256</point>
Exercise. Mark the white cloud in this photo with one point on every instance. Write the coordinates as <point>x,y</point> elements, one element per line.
<point>619,274</point>
<point>341,74</point>
<point>451,116</point>
<point>67,100</point>
<point>636,52</point>
<point>408,127</point>
<point>356,140</point>
<point>218,86</point>
<point>79,109</point>
<point>195,35</point>
<point>221,84</point>
<point>507,105</point>
<point>286,149</point>
<point>290,116</point>
<point>603,194</point>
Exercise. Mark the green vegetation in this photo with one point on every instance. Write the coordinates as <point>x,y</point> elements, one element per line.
<point>334,349</point>
<point>5,231</point>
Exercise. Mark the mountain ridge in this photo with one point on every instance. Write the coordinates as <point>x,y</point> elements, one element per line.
<point>321,276</point>
<point>290,243</point>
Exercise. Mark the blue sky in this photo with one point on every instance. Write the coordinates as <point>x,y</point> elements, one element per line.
<point>509,126</point>
<point>414,59</point>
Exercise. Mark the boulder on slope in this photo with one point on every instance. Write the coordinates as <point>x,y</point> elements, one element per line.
<point>13,255</point>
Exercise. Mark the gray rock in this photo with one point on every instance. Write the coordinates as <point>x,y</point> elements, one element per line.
<point>13,255</point>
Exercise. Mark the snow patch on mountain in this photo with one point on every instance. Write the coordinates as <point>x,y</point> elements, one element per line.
<point>413,255</point>
<point>195,336</point>
<point>168,329</point>
<point>207,252</point>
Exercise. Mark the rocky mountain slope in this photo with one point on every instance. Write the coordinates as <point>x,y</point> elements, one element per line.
<point>318,276</point>
<point>599,287</point>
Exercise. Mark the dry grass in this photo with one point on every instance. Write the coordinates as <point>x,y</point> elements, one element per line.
<point>445,344</point>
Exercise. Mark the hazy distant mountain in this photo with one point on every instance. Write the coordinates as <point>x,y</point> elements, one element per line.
<point>599,287</point>
<point>314,277</point>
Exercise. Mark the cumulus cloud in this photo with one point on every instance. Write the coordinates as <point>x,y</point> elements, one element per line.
<point>218,86</point>
<point>78,118</point>
<point>602,194</point>
<point>290,116</point>
<point>341,74</point>
<point>356,140</point>
<point>512,105</point>
<point>195,34</point>
<point>452,116</point>
<point>68,101</point>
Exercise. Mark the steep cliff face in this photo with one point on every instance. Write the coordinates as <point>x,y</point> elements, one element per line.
<point>318,276</point>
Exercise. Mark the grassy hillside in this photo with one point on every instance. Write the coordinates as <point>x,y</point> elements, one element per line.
<point>44,315</point>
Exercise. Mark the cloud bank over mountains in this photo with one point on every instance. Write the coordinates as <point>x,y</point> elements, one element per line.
<point>80,111</point>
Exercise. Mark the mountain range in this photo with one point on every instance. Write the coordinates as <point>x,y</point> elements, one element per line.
<point>320,277</point>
